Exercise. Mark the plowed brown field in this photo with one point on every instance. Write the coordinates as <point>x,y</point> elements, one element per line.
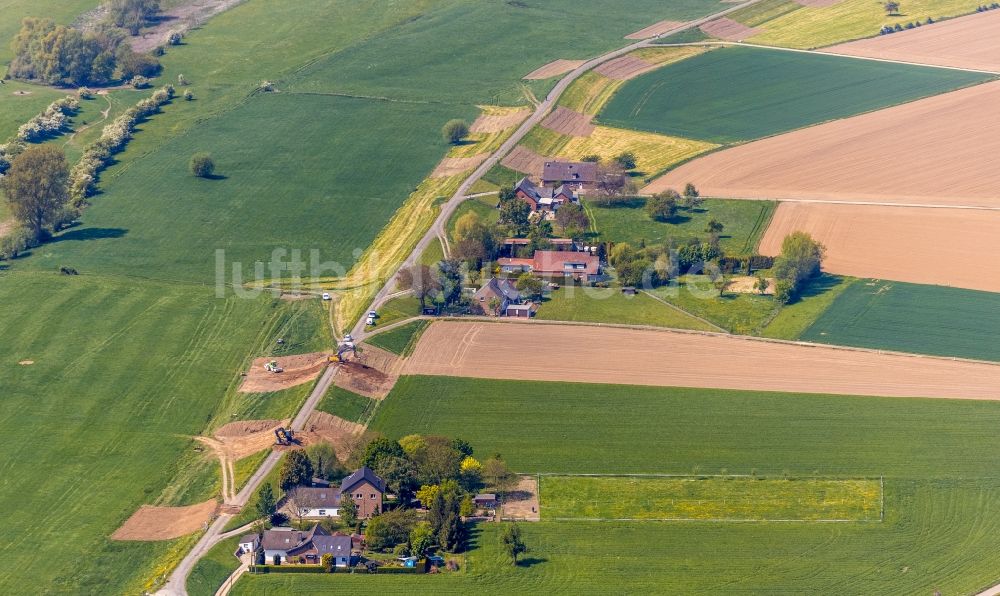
<point>965,42</point>
<point>568,122</point>
<point>936,151</point>
<point>948,247</point>
<point>625,68</point>
<point>654,30</point>
<point>525,160</point>
<point>667,358</point>
<point>554,68</point>
<point>728,29</point>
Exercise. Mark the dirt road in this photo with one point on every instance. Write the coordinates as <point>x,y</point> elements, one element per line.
<point>678,359</point>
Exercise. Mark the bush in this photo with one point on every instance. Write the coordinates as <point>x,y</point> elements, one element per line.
<point>15,243</point>
<point>84,93</point>
<point>455,130</point>
<point>175,38</point>
<point>287,569</point>
<point>182,80</point>
<point>188,96</point>
<point>202,165</point>
<point>140,82</point>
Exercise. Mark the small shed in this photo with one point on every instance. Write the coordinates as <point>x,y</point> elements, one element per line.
<point>628,291</point>
<point>485,501</point>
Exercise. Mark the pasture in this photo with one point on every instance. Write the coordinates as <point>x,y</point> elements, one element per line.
<point>716,498</point>
<point>400,340</point>
<point>744,221</point>
<point>609,305</point>
<point>944,489</point>
<point>745,314</point>
<point>833,161</point>
<point>122,373</point>
<point>345,404</point>
<point>741,93</point>
<point>905,317</point>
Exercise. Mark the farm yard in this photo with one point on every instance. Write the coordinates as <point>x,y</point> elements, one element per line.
<point>834,161</point>
<point>948,247</point>
<point>741,93</point>
<point>911,318</point>
<point>679,359</point>
<point>965,42</point>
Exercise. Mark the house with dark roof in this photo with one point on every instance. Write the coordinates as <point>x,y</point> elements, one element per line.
<point>364,486</point>
<point>287,545</point>
<point>580,175</point>
<point>544,198</point>
<point>554,264</point>
<point>493,298</point>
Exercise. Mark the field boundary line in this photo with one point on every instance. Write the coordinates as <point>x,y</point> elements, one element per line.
<point>725,520</point>
<point>862,203</point>
<point>790,477</point>
<point>690,314</point>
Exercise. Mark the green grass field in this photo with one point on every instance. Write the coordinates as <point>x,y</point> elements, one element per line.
<point>744,221</point>
<point>213,569</point>
<point>609,305</point>
<point>123,374</point>
<point>745,314</point>
<point>793,319</point>
<point>608,498</point>
<point>912,318</point>
<point>401,340</point>
<point>938,494</point>
<point>741,93</point>
<point>346,404</point>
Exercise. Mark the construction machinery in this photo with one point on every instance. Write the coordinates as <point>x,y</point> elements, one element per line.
<point>273,367</point>
<point>284,436</point>
<point>342,350</point>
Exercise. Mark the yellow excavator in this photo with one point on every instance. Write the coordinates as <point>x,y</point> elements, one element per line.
<point>342,350</point>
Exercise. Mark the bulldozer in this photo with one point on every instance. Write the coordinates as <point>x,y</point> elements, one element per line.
<point>273,367</point>
<point>284,436</point>
<point>342,350</point>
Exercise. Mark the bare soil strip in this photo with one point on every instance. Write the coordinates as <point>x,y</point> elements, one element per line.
<point>525,160</point>
<point>745,284</point>
<point>327,428</point>
<point>165,523</point>
<point>298,369</point>
<point>654,30</point>
<point>937,152</point>
<point>669,358</point>
<point>949,247</point>
<point>552,69</point>
<point>817,3</point>
<point>568,122</point>
<point>488,123</point>
<point>965,42</point>
<point>188,15</point>
<point>728,29</point>
<point>625,68</point>
<point>450,166</point>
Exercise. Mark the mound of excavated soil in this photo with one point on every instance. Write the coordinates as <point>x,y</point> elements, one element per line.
<point>242,428</point>
<point>327,428</point>
<point>744,284</point>
<point>568,122</point>
<point>450,166</point>
<point>728,29</point>
<point>554,68</point>
<point>654,30</point>
<point>165,523</point>
<point>487,123</point>
<point>26,362</point>
<point>525,160</point>
<point>299,369</point>
<point>625,68</point>
<point>373,374</point>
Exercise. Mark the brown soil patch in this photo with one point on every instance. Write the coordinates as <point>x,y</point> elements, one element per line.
<point>327,428</point>
<point>525,160</point>
<point>936,151</point>
<point>180,18</point>
<point>291,297</point>
<point>817,3</point>
<point>373,374</point>
<point>625,68</point>
<point>165,523</point>
<point>675,359</point>
<point>487,123</point>
<point>568,122</point>
<point>26,362</point>
<point>552,69</point>
<point>654,30</point>
<point>728,29</point>
<point>450,166</point>
<point>521,504</point>
<point>237,440</point>
<point>299,369</point>
<point>950,247</point>
<point>744,284</point>
<point>243,428</point>
<point>965,42</point>
<point>21,93</point>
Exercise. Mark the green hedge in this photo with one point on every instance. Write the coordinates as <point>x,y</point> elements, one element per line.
<point>287,569</point>
<point>384,570</point>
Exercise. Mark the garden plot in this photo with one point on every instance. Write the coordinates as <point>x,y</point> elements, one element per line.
<point>568,122</point>
<point>728,29</point>
<point>654,30</point>
<point>552,69</point>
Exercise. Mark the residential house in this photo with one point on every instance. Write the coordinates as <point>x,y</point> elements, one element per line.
<point>576,175</point>
<point>248,544</point>
<point>544,198</point>
<point>363,485</point>
<point>494,297</point>
<point>581,266</point>
<point>287,545</point>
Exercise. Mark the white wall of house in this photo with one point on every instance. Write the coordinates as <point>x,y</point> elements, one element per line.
<point>269,556</point>
<point>326,512</point>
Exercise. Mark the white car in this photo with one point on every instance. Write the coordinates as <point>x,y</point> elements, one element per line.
<point>371,321</point>
<point>326,296</point>
<point>372,314</point>
<point>348,339</point>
